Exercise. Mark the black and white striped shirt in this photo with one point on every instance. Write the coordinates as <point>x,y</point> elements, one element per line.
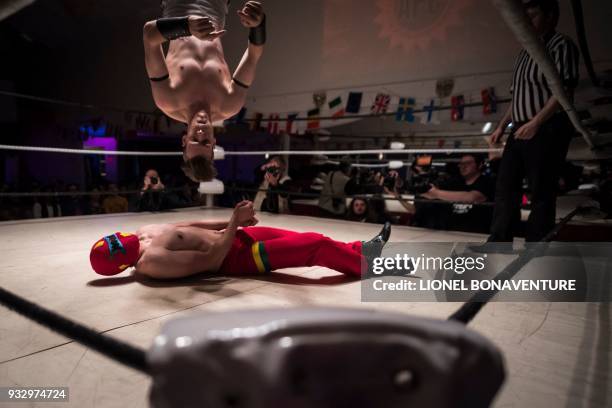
<point>529,89</point>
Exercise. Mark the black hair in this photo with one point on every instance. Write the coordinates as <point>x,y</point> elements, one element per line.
<point>548,7</point>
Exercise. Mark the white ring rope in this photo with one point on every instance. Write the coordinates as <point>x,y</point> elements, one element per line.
<point>348,152</point>
<point>87,151</point>
<point>249,153</point>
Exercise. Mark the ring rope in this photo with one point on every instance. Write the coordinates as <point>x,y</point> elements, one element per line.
<point>247,153</point>
<point>115,349</point>
<point>86,193</point>
<point>86,151</point>
<point>289,194</point>
<point>470,309</point>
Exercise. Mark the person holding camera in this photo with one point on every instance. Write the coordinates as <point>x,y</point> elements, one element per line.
<point>271,196</point>
<point>152,192</point>
<point>464,213</point>
<point>473,188</point>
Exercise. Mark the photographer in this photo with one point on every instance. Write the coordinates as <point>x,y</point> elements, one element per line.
<point>275,184</point>
<point>464,213</point>
<point>474,188</point>
<point>152,193</point>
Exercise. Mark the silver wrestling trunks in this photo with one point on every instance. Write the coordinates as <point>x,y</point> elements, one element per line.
<point>215,9</point>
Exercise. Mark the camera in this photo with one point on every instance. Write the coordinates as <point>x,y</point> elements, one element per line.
<point>274,170</point>
<point>427,174</point>
<point>389,182</point>
<point>154,180</point>
<point>420,184</point>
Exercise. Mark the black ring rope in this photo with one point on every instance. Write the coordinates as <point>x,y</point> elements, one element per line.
<point>112,348</point>
<point>240,189</point>
<point>470,309</point>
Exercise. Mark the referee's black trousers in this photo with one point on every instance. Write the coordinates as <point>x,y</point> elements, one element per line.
<point>539,160</point>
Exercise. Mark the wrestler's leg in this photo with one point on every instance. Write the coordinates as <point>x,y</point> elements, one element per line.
<point>308,249</point>
<point>267,233</point>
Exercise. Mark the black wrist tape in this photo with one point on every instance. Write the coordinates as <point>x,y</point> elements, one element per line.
<point>257,35</point>
<point>173,27</point>
<point>241,84</point>
<point>161,78</point>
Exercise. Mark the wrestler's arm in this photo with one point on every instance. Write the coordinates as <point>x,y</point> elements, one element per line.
<point>251,16</point>
<point>155,63</point>
<point>209,225</point>
<point>242,214</point>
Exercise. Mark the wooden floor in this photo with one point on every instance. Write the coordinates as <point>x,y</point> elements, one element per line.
<point>557,354</point>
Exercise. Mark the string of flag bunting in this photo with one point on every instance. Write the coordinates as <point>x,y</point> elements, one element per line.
<point>407,110</point>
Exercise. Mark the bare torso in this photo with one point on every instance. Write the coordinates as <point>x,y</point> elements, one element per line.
<point>161,239</point>
<point>199,76</point>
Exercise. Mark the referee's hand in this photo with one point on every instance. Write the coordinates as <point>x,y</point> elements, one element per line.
<point>496,136</point>
<point>527,131</point>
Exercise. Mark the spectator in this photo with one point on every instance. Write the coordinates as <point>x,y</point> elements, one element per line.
<point>47,207</point>
<point>358,210</point>
<point>473,188</point>
<point>276,184</point>
<point>332,200</point>
<point>114,203</point>
<point>152,193</point>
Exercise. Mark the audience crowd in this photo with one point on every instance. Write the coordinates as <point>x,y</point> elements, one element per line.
<point>457,195</point>
<point>57,199</point>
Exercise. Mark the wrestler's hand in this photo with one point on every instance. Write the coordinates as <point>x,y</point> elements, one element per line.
<point>243,212</point>
<point>252,14</point>
<point>250,223</point>
<point>203,28</point>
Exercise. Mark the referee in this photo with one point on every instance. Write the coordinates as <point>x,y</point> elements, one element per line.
<point>541,132</point>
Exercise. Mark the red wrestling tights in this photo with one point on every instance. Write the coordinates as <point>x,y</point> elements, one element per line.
<point>263,249</point>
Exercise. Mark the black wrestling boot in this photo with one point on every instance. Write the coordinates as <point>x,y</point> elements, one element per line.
<point>373,248</point>
<point>382,237</point>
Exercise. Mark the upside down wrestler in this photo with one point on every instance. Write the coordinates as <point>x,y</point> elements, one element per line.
<point>192,82</point>
<point>237,247</point>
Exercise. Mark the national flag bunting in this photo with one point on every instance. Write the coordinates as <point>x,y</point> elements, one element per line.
<point>336,108</point>
<point>273,126</point>
<point>489,101</point>
<point>428,110</point>
<point>353,105</point>
<point>381,103</point>
<point>290,126</point>
<point>405,110</point>
<point>457,108</point>
<point>313,119</point>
